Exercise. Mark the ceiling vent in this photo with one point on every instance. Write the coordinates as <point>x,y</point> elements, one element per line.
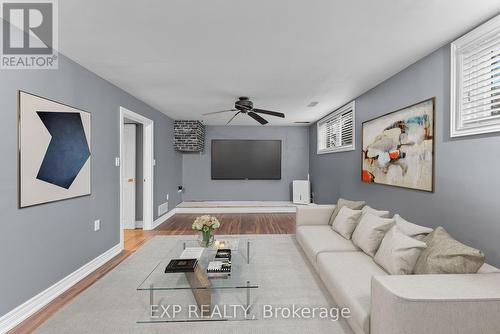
<point>313,104</point>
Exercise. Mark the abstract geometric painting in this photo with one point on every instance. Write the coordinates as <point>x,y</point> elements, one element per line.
<point>54,151</point>
<point>398,148</point>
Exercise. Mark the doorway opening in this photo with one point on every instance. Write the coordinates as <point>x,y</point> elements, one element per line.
<point>132,178</point>
<point>136,172</point>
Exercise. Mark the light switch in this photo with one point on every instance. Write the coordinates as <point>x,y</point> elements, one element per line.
<point>97,225</point>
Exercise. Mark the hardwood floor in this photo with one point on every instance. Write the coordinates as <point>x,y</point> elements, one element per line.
<point>179,224</point>
<point>231,223</point>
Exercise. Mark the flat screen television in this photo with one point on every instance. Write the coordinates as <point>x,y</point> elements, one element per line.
<point>246,159</point>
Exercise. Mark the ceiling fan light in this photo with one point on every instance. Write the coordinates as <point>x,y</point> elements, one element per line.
<point>244,106</point>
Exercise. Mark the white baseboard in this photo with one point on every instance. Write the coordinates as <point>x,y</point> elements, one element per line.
<point>276,209</point>
<point>23,311</point>
<point>163,218</point>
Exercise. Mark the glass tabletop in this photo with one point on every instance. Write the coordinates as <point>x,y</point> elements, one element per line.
<point>243,273</point>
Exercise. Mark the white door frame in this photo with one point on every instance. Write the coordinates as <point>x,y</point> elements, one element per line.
<point>148,165</point>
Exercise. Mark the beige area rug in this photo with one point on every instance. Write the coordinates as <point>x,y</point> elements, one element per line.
<point>285,278</point>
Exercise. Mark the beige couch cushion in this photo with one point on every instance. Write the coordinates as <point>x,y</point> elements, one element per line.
<point>321,238</point>
<point>380,213</point>
<point>347,277</point>
<point>488,269</point>
<point>410,229</point>
<point>355,205</point>
<point>445,255</point>
<point>398,252</point>
<point>346,221</point>
<point>370,231</point>
<point>314,214</point>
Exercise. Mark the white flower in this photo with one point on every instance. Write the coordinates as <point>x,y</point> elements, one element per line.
<point>209,221</point>
<point>197,226</point>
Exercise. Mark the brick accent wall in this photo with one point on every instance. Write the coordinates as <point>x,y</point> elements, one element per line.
<point>189,136</point>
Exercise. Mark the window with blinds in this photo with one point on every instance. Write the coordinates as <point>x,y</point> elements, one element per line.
<point>475,81</point>
<point>336,131</point>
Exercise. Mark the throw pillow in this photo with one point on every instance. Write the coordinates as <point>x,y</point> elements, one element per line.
<point>398,252</point>
<point>412,230</point>
<point>445,255</point>
<point>346,221</point>
<point>355,205</point>
<point>380,213</point>
<point>370,231</point>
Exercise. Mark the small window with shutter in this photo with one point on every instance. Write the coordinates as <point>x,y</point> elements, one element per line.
<point>336,131</point>
<point>475,81</point>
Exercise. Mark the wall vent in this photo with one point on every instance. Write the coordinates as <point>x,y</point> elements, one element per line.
<point>162,209</point>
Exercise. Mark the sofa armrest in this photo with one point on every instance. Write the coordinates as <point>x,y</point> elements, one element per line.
<point>314,214</point>
<point>442,304</point>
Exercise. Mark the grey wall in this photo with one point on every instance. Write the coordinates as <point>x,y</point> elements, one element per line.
<point>295,165</point>
<point>40,245</point>
<point>467,177</point>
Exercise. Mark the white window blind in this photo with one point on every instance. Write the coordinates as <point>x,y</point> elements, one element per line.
<point>336,131</point>
<point>475,81</point>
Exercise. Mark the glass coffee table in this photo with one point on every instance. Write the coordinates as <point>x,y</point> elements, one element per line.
<point>183,297</point>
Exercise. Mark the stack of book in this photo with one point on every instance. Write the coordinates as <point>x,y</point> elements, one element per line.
<point>186,262</point>
<point>181,266</point>
<point>220,267</point>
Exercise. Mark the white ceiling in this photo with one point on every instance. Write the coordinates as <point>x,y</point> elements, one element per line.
<point>188,57</point>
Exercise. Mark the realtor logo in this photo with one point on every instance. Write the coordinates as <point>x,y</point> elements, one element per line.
<point>29,34</point>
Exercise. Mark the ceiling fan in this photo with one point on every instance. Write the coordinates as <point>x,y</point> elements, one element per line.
<point>245,106</point>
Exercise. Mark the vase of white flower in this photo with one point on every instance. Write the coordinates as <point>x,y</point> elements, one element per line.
<point>206,225</point>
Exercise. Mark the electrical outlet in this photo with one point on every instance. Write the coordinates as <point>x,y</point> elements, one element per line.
<point>117,162</point>
<point>97,225</point>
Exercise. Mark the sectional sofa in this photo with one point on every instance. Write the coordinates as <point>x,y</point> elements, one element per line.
<point>396,304</point>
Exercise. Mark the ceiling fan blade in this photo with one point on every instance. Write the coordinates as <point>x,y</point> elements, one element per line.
<point>272,113</point>
<point>218,112</point>
<point>233,118</point>
<point>257,117</point>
